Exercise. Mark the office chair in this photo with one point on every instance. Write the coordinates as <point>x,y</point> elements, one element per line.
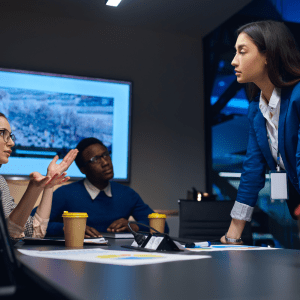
<point>207,221</point>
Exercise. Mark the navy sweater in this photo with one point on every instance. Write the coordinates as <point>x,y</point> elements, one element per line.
<point>102,211</point>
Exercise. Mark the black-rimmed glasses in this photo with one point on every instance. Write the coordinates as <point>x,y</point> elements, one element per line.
<point>96,159</point>
<point>7,135</point>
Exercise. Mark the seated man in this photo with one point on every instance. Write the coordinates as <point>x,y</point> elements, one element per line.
<point>107,203</point>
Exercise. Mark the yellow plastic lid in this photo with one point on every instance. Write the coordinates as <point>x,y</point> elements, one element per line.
<point>157,216</point>
<point>67,214</point>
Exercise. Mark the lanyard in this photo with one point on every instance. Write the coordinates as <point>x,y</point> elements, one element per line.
<point>278,160</point>
<point>278,155</point>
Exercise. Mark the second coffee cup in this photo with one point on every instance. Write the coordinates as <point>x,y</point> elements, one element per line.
<point>157,221</point>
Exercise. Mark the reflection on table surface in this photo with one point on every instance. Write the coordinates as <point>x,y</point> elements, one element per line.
<point>267,274</point>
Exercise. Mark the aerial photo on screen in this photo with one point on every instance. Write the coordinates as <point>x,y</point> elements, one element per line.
<point>52,121</point>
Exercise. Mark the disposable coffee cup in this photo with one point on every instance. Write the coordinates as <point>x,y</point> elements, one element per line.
<point>157,221</point>
<point>74,228</point>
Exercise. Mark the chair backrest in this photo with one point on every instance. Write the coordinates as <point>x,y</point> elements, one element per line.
<point>207,221</point>
<point>17,281</point>
<point>8,262</point>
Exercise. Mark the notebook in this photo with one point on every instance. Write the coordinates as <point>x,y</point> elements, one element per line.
<point>61,241</point>
<point>117,235</point>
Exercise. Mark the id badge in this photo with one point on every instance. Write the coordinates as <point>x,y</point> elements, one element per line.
<point>279,186</point>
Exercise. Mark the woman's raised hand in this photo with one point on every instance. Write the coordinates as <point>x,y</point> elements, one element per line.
<point>63,166</point>
<point>55,172</point>
<point>47,181</point>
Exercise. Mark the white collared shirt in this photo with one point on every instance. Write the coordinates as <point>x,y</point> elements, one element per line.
<point>94,191</point>
<point>271,113</point>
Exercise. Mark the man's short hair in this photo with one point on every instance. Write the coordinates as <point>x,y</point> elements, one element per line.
<point>83,144</point>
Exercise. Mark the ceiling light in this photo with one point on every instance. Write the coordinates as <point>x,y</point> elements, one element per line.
<point>113,2</point>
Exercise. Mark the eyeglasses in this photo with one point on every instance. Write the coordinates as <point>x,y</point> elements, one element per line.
<point>96,159</point>
<point>7,135</point>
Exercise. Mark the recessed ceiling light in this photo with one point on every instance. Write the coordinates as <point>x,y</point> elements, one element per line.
<point>113,2</point>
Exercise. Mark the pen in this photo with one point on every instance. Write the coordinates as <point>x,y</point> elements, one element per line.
<point>198,245</point>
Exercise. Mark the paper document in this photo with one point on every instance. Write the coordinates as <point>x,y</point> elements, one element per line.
<point>225,247</point>
<point>95,241</point>
<point>123,258</point>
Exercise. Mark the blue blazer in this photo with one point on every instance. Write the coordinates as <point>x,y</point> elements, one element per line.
<point>259,155</point>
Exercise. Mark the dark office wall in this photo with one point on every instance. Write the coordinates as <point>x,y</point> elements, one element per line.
<point>167,143</point>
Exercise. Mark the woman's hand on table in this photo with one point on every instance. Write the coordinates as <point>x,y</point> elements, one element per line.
<point>234,232</point>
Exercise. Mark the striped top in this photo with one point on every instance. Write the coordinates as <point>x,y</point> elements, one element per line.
<point>34,227</point>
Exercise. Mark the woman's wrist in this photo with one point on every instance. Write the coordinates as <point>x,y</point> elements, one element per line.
<point>33,184</point>
<point>48,187</point>
<point>232,240</point>
<point>232,235</point>
<point>236,228</point>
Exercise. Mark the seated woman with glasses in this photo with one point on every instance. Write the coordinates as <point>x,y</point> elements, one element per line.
<point>19,221</point>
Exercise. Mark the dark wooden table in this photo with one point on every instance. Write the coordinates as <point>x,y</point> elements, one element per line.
<point>267,274</point>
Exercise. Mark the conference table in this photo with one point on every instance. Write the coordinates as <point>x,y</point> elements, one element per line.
<point>239,274</point>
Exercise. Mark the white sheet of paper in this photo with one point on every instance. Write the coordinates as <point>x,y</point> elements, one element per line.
<point>230,248</point>
<point>123,258</point>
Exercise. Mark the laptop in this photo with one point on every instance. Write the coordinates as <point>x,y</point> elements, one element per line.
<point>16,280</point>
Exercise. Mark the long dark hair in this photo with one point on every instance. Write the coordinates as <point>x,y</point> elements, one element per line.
<point>3,116</point>
<point>283,57</point>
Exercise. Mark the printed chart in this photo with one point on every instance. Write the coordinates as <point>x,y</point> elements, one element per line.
<point>123,258</point>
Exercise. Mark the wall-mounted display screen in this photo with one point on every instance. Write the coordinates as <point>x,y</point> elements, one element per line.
<point>50,113</point>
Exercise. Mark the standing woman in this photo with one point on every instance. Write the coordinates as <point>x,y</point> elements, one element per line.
<point>19,221</point>
<point>268,60</point>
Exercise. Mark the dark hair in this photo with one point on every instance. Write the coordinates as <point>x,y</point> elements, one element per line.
<point>83,144</point>
<point>283,57</point>
<point>3,115</point>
